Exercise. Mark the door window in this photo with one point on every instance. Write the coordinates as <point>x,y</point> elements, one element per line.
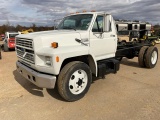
<point>98,25</point>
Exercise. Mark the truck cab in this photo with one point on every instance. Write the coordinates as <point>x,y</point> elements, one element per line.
<point>83,45</point>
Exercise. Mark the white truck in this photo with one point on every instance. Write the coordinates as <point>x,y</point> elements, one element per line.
<point>84,44</point>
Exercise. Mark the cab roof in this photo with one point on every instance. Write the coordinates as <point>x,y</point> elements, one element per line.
<point>100,12</point>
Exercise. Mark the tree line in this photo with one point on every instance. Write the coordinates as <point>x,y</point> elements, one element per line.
<point>157,30</point>
<point>4,28</point>
<point>7,27</point>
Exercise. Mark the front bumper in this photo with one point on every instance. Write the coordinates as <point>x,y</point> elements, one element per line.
<point>12,45</point>
<point>39,79</point>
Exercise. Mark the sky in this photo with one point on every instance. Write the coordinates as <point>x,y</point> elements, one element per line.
<point>44,12</point>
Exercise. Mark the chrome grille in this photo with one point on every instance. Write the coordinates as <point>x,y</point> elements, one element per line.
<point>24,49</point>
<point>27,43</point>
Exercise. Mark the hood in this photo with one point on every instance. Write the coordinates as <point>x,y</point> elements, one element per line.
<point>11,38</point>
<point>62,37</point>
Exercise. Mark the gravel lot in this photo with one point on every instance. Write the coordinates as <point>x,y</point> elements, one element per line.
<point>131,94</point>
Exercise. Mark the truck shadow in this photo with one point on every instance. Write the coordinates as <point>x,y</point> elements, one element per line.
<point>54,93</point>
<point>128,62</point>
<point>31,88</point>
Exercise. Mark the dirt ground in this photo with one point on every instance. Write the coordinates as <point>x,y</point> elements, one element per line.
<point>131,94</point>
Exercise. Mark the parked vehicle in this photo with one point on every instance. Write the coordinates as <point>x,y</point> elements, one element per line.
<point>27,31</point>
<point>128,36</point>
<point>9,41</point>
<point>133,32</point>
<point>2,37</point>
<point>83,45</point>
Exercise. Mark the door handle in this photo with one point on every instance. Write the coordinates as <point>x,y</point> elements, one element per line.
<point>112,35</point>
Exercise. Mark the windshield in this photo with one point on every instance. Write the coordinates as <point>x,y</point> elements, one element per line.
<point>12,35</point>
<point>76,22</point>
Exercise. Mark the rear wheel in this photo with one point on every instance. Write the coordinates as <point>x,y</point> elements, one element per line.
<point>74,81</point>
<point>141,56</point>
<point>151,57</point>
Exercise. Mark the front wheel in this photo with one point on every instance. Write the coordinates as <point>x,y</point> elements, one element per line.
<point>74,81</point>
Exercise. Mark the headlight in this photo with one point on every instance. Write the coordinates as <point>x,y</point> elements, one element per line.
<point>48,60</point>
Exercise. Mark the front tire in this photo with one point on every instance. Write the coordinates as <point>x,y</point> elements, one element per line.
<point>74,81</point>
<point>151,57</point>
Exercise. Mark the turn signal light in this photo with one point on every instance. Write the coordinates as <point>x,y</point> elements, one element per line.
<point>57,59</point>
<point>54,44</point>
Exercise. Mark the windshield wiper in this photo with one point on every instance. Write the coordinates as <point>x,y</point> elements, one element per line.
<point>69,28</point>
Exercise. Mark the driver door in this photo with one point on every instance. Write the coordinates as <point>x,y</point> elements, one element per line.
<point>103,44</point>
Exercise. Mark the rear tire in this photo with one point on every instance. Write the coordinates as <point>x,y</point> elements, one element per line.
<point>141,56</point>
<point>74,81</point>
<point>151,57</point>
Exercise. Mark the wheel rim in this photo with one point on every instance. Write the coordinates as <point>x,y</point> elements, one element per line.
<point>154,57</point>
<point>78,82</point>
